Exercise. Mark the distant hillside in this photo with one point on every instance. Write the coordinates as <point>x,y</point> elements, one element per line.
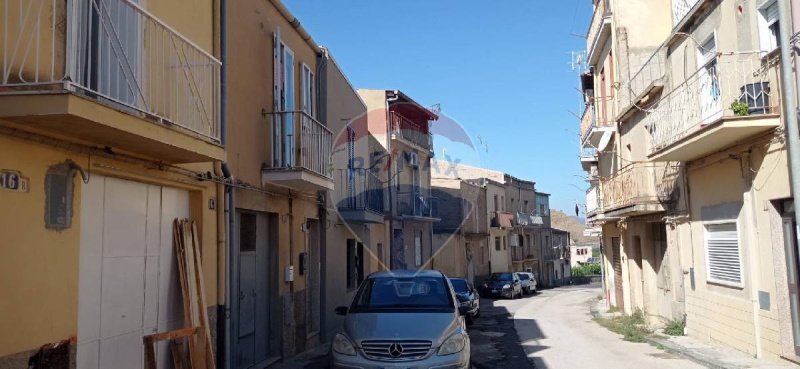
<point>568,223</point>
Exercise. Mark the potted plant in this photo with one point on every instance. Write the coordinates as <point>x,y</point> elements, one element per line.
<point>740,109</point>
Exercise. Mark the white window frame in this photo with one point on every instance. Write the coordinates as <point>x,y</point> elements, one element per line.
<point>709,278</point>
<point>308,101</point>
<point>767,41</point>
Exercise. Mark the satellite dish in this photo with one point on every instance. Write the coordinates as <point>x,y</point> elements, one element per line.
<point>604,140</point>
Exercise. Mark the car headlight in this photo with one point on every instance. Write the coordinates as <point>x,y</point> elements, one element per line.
<point>343,345</point>
<point>453,344</point>
<point>506,286</point>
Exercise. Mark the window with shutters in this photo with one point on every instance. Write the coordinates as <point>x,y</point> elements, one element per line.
<point>768,26</point>
<point>723,257</point>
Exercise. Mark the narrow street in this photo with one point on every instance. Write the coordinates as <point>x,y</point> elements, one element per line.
<point>552,329</point>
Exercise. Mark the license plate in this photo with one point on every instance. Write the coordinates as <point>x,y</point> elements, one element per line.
<point>495,291</point>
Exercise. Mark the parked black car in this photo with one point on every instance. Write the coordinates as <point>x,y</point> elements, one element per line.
<point>502,284</point>
<point>469,302</point>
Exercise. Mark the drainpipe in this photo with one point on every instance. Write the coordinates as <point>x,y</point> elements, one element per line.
<point>789,105</point>
<point>225,206</point>
<point>390,228</point>
<point>230,269</point>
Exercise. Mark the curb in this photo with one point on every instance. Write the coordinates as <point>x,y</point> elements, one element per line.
<point>691,355</point>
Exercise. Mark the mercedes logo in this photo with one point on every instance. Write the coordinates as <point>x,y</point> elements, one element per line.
<point>395,350</point>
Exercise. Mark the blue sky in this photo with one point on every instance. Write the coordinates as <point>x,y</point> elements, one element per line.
<point>501,69</point>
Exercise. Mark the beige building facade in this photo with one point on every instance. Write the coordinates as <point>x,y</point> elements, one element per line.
<point>691,184</point>
<point>97,164</point>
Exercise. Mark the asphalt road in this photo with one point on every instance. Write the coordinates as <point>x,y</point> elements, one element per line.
<point>551,329</point>
<point>556,331</point>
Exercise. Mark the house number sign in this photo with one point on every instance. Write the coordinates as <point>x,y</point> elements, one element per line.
<point>12,180</point>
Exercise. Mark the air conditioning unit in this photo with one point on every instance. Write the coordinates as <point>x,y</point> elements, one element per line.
<point>413,159</point>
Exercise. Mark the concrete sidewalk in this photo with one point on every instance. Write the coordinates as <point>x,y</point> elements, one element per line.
<point>713,356</point>
<point>316,358</point>
<point>703,353</point>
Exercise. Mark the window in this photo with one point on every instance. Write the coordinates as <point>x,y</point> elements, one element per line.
<point>526,206</point>
<point>496,207</point>
<point>497,243</point>
<point>308,91</point>
<point>505,243</point>
<point>768,26</point>
<point>283,105</point>
<point>722,254</point>
<point>355,263</point>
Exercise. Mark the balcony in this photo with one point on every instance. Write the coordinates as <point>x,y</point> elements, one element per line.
<point>522,219</point>
<point>414,205</point>
<point>599,131</point>
<point>729,99</point>
<point>599,30</point>
<point>411,133</point>
<point>359,196</point>
<point>589,159</point>
<point>109,73</point>
<point>502,220</point>
<point>637,189</point>
<point>647,81</point>
<point>680,9</point>
<point>301,153</point>
<point>593,202</point>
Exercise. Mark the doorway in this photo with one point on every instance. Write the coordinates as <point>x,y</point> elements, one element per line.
<point>616,261</point>
<point>254,280</point>
<point>313,277</point>
<point>792,268</point>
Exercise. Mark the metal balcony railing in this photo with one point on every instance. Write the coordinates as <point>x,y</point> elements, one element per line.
<point>113,51</point>
<point>359,189</point>
<point>593,200</point>
<point>301,142</point>
<point>651,70</point>
<point>410,131</point>
<point>708,95</point>
<point>680,8</point>
<point>587,121</point>
<point>601,12</point>
<point>416,204</point>
<point>635,184</point>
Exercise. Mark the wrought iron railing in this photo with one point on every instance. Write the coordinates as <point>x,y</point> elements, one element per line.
<point>635,184</point>
<point>650,71</point>
<point>726,86</point>
<point>359,189</point>
<point>587,121</point>
<point>680,8</point>
<point>593,200</point>
<point>416,204</point>
<point>301,142</point>
<point>601,12</point>
<point>410,131</point>
<point>113,51</point>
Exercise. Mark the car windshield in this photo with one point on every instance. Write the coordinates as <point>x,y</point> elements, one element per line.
<point>501,277</point>
<point>459,285</point>
<point>524,277</point>
<point>403,293</point>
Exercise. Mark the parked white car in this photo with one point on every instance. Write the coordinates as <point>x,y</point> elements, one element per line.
<point>529,282</point>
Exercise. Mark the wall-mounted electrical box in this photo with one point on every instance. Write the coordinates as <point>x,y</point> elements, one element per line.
<point>288,274</point>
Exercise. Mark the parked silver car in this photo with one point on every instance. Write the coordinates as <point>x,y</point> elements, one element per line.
<point>402,319</point>
<point>529,282</point>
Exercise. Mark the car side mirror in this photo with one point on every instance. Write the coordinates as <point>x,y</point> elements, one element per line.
<point>341,310</point>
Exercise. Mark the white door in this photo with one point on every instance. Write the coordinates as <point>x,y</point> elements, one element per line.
<point>128,281</point>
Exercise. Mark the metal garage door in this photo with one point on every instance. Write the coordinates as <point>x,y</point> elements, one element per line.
<point>616,261</point>
<point>128,282</point>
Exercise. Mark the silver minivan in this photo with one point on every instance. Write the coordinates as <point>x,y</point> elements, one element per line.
<point>402,319</point>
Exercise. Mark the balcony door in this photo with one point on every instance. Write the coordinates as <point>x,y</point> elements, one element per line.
<point>708,83</point>
<point>109,50</point>
<point>283,131</point>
